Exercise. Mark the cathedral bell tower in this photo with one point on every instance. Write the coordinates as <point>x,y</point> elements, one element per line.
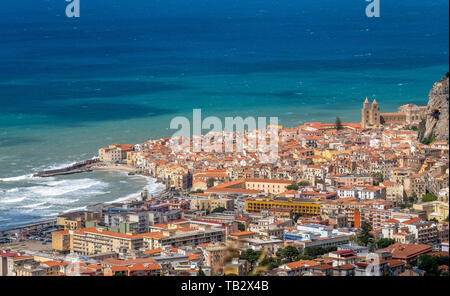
<point>375,114</point>
<point>370,114</point>
<point>365,114</point>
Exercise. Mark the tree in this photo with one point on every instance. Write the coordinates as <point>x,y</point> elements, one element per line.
<point>446,219</point>
<point>428,140</point>
<point>293,186</point>
<point>384,243</point>
<point>250,255</point>
<point>270,262</point>
<point>338,124</point>
<point>430,264</point>
<point>364,237</point>
<point>429,197</point>
<point>313,251</point>
<point>378,178</point>
<point>329,249</point>
<point>316,251</point>
<point>210,182</point>
<point>241,226</point>
<point>289,253</point>
<point>219,210</point>
<point>201,272</point>
<point>303,183</point>
<point>412,198</point>
<point>304,257</point>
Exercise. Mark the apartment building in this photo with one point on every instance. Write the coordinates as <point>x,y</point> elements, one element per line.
<point>115,153</point>
<point>252,185</point>
<point>394,192</point>
<point>415,185</point>
<point>297,206</point>
<point>61,241</point>
<point>203,202</point>
<point>424,232</point>
<point>182,238</point>
<point>362,192</point>
<point>377,217</point>
<point>91,241</point>
<point>75,220</point>
<point>312,235</point>
<point>354,180</point>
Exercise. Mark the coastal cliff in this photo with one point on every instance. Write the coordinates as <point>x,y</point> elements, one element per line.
<point>437,117</point>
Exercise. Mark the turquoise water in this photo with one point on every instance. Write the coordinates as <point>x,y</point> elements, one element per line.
<point>122,71</point>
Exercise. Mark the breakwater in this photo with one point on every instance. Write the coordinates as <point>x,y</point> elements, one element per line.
<point>79,167</point>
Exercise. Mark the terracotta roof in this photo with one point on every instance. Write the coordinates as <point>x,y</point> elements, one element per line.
<point>407,251</point>
<point>242,233</point>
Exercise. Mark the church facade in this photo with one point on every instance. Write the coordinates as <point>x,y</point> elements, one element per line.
<point>409,114</point>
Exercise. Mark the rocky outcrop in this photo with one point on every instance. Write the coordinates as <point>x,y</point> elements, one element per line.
<point>437,119</point>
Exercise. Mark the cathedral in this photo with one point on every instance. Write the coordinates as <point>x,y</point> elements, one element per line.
<point>409,114</point>
<point>370,114</point>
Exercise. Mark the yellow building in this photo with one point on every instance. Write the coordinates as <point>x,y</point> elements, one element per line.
<point>225,203</point>
<point>401,173</point>
<point>75,220</point>
<point>329,154</point>
<point>200,204</point>
<point>270,186</point>
<point>394,192</point>
<point>297,206</point>
<point>203,202</point>
<point>61,241</point>
<point>91,241</point>
<point>415,184</point>
<point>433,209</point>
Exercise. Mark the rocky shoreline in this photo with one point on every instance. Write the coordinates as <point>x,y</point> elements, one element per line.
<point>83,167</point>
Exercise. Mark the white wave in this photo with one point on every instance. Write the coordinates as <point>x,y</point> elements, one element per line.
<point>51,215</point>
<point>12,190</point>
<point>57,188</point>
<point>13,200</point>
<point>125,198</point>
<point>60,201</point>
<point>32,206</point>
<point>152,187</point>
<point>18,178</point>
<point>75,209</point>
<point>58,166</point>
<point>55,183</point>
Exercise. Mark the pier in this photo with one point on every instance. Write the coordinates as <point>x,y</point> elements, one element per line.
<point>79,167</point>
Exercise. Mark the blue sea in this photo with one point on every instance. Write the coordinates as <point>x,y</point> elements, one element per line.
<point>124,69</point>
